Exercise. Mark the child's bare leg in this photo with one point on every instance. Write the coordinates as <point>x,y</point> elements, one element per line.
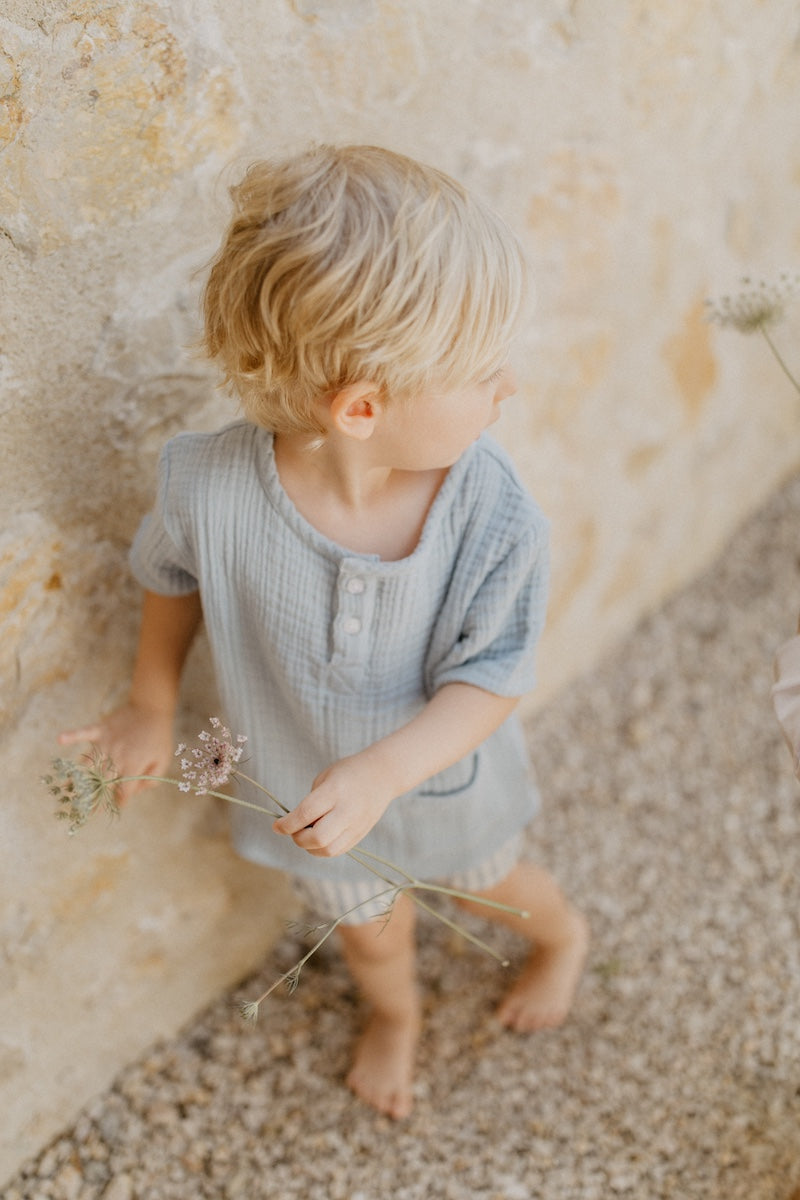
<point>543,993</point>
<point>382,959</point>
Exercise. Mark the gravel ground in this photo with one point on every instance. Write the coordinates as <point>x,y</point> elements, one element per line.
<point>671,815</point>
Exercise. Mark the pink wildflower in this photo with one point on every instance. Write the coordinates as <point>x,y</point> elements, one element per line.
<point>212,764</point>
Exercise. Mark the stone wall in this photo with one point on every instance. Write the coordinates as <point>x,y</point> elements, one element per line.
<point>649,154</point>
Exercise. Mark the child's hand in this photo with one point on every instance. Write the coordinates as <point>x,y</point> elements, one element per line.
<point>350,796</point>
<point>139,741</point>
<point>344,803</point>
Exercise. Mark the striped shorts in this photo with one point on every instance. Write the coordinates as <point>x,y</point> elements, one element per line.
<point>370,899</point>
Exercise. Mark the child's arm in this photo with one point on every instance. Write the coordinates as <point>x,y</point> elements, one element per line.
<point>138,736</point>
<point>349,797</point>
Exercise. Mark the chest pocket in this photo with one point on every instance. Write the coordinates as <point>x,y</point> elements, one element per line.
<point>453,779</point>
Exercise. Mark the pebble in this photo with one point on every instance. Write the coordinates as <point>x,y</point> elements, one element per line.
<point>120,1188</point>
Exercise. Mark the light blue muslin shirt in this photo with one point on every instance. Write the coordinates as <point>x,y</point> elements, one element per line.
<point>319,651</point>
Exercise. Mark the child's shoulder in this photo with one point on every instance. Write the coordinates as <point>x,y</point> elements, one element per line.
<point>232,452</point>
<point>492,487</point>
<point>217,468</point>
<point>220,445</point>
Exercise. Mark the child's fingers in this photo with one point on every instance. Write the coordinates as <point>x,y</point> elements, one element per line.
<point>310,841</point>
<point>123,793</point>
<point>291,825</point>
<point>331,835</point>
<point>340,844</point>
<point>126,790</point>
<point>303,817</point>
<point>89,733</point>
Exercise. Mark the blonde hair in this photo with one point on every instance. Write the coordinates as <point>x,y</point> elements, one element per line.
<point>354,263</point>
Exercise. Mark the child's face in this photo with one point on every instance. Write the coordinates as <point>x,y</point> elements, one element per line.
<point>434,430</point>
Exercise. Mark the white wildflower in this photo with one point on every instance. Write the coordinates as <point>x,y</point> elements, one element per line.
<point>207,768</point>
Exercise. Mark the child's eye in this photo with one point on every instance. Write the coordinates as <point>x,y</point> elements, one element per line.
<point>495,375</point>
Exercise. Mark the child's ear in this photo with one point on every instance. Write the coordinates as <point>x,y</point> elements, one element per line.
<point>355,408</point>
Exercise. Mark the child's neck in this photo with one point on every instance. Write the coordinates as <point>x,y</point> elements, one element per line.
<point>364,505</point>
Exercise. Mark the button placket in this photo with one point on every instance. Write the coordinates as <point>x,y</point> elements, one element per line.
<point>355,602</point>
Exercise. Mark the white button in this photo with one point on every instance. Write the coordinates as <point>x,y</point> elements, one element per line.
<point>355,586</point>
<point>352,625</point>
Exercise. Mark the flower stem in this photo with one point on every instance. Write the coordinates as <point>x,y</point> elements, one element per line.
<point>441,888</point>
<point>298,966</point>
<point>240,775</point>
<point>217,795</point>
<point>413,885</point>
<point>779,358</point>
<point>456,927</point>
<point>371,862</point>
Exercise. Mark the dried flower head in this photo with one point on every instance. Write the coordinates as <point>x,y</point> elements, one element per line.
<point>211,764</point>
<point>756,306</point>
<point>81,787</point>
<point>250,1011</point>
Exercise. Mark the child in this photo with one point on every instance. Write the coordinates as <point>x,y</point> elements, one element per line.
<point>370,571</point>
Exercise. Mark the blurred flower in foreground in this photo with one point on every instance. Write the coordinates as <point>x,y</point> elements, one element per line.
<point>755,309</point>
<point>756,305</point>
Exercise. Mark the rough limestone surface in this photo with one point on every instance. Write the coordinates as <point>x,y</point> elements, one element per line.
<point>648,155</point>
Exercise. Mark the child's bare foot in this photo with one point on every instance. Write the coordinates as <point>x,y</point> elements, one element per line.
<point>383,1070</point>
<point>542,996</point>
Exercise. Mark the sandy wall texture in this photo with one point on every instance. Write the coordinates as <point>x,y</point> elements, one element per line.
<point>648,154</point>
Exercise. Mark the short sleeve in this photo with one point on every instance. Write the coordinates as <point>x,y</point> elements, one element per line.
<point>487,634</point>
<point>161,556</point>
